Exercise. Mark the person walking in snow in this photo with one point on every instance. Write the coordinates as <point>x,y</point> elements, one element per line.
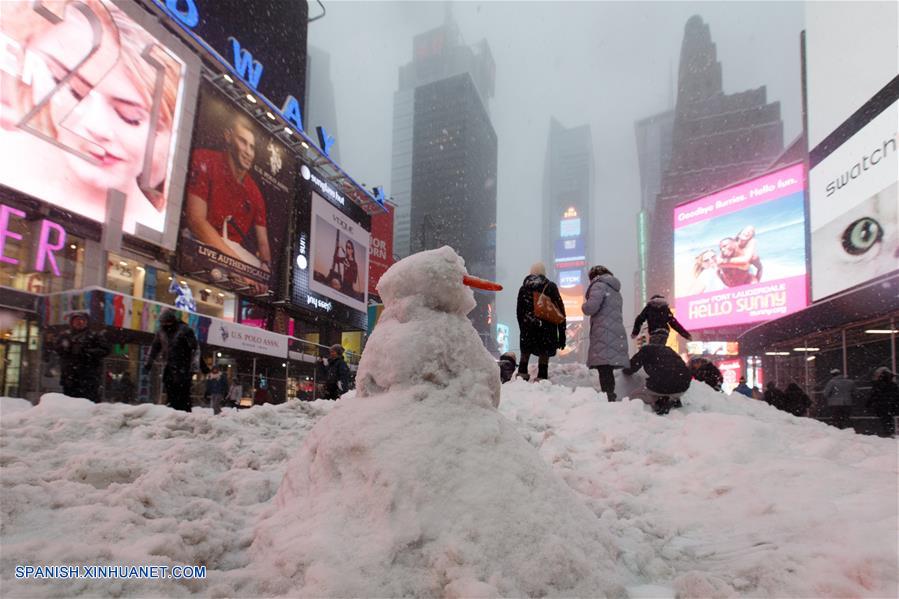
<point>507,366</point>
<point>177,343</point>
<point>660,320</point>
<point>335,373</point>
<point>538,336</point>
<point>216,389</point>
<point>884,400</point>
<point>81,352</point>
<point>796,401</point>
<point>667,377</point>
<point>608,339</point>
<point>743,388</point>
<point>840,393</point>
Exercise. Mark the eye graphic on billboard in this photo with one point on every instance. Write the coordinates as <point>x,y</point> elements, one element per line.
<point>854,208</point>
<point>740,252</point>
<point>339,256</point>
<point>239,187</point>
<point>91,102</point>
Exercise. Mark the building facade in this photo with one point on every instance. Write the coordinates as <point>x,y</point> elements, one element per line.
<point>568,194</point>
<point>717,139</point>
<point>122,239</point>
<point>445,157</point>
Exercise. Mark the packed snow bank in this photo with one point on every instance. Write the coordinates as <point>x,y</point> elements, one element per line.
<point>86,484</point>
<point>726,496</point>
<point>427,495</point>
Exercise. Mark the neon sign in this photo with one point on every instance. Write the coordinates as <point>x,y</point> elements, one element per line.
<point>45,245</point>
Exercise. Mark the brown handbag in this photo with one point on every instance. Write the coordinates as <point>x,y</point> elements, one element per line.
<point>546,309</point>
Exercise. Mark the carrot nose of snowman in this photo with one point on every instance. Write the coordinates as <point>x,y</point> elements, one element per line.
<point>481,283</point>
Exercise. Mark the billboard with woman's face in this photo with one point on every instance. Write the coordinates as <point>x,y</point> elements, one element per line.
<point>740,253</point>
<point>90,102</point>
<point>339,255</point>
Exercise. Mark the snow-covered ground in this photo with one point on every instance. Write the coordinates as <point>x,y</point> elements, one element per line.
<point>559,493</point>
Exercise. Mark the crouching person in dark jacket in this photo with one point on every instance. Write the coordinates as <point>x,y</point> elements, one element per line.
<point>335,373</point>
<point>508,362</point>
<point>704,371</point>
<point>81,352</point>
<point>667,377</point>
<point>176,342</point>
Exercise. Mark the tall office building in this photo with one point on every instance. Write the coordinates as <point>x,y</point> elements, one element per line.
<point>568,187</point>
<point>320,106</point>
<point>717,139</point>
<point>445,157</point>
<point>654,135</point>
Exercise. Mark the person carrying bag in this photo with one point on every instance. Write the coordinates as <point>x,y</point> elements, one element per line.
<point>541,321</point>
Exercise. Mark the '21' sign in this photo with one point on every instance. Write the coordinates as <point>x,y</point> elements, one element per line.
<point>245,66</point>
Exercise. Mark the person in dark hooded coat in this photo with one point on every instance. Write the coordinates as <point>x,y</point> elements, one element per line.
<point>705,371</point>
<point>608,339</point>
<point>538,337</point>
<point>659,321</point>
<point>176,342</point>
<point>796,401</point>
<point>507,365</point>
<point>81,352</point>
<point>884,400</point>
<point>667,376</point>
<point>774,397</point>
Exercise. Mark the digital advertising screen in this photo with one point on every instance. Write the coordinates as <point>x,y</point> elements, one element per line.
<point>90,102</point>
<point>740,254</point>
<point>331,253</point>
<point>854,208</point>
<point>381,246</point>
<point>339,255</point>
<point>240,184</point>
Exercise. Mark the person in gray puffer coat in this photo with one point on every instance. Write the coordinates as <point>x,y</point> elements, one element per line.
<point>608,339</point>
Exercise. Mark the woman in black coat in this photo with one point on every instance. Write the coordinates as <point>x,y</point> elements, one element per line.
<point>538,337</point>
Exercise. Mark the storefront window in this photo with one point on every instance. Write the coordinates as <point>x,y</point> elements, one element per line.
<point>125,276</point>
<point>29,245</point>
<point>185,293</point>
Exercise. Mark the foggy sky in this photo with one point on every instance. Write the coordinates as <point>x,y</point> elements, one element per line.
<point>603,64</point>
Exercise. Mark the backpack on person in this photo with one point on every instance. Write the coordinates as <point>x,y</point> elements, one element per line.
<point>546,309</point>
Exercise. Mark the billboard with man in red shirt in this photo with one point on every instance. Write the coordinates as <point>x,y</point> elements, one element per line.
<point>238,192</point>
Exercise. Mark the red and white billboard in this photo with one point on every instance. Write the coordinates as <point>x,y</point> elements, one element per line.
<point>740,254</point>
<point>381,246</point>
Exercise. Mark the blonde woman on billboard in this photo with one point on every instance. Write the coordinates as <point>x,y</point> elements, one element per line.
<point>705,273</point>
<point>80,82</point>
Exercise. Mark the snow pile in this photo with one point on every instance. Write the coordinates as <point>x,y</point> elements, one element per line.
<point>418,487</point>
<point>727,496</point>
<point>111,484</point>
<point>425,492</point>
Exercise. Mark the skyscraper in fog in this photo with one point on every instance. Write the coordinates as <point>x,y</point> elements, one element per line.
<point>445,156</point>
<point>320,99</point>
<point>568,188</point>
<point>718,139</point>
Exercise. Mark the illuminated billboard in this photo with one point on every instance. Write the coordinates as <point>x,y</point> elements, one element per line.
<point>91,102</point>
<point>339,256</point>
<point>240,184</point>
<point>740,253</point>
<point>854,208</point>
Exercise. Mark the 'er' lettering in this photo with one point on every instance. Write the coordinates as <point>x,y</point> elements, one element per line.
<point>45,249</point>
<point>249,70</point>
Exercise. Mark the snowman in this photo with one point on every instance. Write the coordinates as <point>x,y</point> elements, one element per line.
<point>415,485</point>
<point>424,338</point>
